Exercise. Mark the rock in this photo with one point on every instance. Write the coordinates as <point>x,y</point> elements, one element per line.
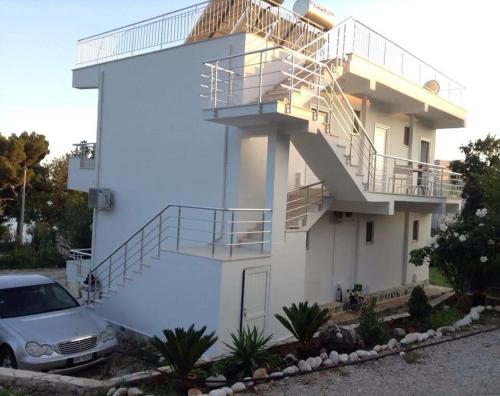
<point>260,373</point>
<point>392,344</point>
<point>194,392</point>
<point>291,370</point>
<point>447,330</point>
<point>134,392</point>
<point>373,353</point>
<point>438,334</point>
<point>248,382</point>
<point>383,347</point>
<point>344,338</point>
<point>334,357</point>
<point>276,374</point>
<point>314,362</point>
<point>474,315</point>
<point>229,391</point>
<point>215,381</point>
<point>489,308</point>
<point>323,356</point>
<point>402,353</point>
<point>319,360</point>
<point>111,392</point>
<point>376,348</point>
<point>343,358</point>
<point>431,333</point>
<point>238,387</point>
<point>121,392</point>
<point>410,338</point>
<point>422,337</point>
<point>291,359</point>
<point>361,353</point>
<point>353,357</point>
<point>327,363</point>
<point>217,392</point>
<point>304,367</point>
<point>479,308</point>
<point>399,332</point>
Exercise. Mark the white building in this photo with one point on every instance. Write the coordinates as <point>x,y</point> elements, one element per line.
<point>246,158</point>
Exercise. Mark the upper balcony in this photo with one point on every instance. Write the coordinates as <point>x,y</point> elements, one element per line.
<point>81,167</point>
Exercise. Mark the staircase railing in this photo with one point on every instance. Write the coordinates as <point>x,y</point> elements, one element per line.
<point>301,201</point>
<point>204,231</point>
<point>278,73</point>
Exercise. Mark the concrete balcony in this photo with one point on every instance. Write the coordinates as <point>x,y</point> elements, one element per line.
<point>82,167</point>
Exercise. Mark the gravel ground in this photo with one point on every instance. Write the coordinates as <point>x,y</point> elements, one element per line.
<point>470,366</point>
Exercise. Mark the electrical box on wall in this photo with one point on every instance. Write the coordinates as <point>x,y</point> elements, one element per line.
<point>100,198</point>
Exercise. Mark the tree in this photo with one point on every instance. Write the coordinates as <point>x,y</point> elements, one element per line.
<point>481,157</point>
<point>20,161</point>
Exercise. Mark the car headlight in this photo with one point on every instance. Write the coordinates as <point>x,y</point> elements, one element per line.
<point>36,350</point>
<point>107,334</point>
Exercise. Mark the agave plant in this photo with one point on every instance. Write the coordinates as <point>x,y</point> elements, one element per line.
<point>248,351</point>
<point>182,348</point>
<point>303,321</point>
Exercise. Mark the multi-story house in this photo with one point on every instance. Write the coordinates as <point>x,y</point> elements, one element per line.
<point>248,156</point>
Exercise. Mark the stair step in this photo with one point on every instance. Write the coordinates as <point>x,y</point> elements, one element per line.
<point>138,272</point>
<point>128,278</point>
<point>360,174</point>
<point>113,290</point>
<point>146,265</point>
<point>353,165</point>
<point>105,295</point>
<point>341,145</point>
<point>98,301</point>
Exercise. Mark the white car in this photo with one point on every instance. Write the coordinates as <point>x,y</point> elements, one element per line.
<point>43,328</point>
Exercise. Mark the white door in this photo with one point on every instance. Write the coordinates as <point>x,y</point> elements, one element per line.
<point>255,298</point>
<point>380,143</point>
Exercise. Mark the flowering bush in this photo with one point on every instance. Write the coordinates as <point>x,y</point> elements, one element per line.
<point>465,251</point>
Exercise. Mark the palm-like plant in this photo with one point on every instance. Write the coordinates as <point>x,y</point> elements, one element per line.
<point>248,351</point>
<point>303,321</point>
<point>182,348</point>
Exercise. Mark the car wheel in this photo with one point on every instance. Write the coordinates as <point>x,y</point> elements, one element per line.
<point>7,358</point>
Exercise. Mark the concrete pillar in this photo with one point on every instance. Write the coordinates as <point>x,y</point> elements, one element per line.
<point>404,268</point>
<point>278,149</point>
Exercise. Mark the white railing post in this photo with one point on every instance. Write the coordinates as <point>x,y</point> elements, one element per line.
<point>213,231</point>
<point>231,240</point>
<point>160,225</point>
<point>216,83</point>
<point>178,228</point>
<point>261,66</point>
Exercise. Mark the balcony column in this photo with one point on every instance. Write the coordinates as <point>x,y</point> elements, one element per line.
<point>278,147</point>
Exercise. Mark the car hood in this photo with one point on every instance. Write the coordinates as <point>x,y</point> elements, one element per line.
<point>58,326</point>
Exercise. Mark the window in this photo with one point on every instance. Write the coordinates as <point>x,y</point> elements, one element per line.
<point>416,225</point>
<point>406,136</point>
<point>370,230</point>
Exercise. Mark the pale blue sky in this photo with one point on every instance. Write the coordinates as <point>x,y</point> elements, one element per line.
<point>38,47</point>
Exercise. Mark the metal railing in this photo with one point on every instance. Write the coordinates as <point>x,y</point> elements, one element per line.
<point>205,231</point>
<point>352,36</point>
<point>298,80</point>
<point>303,201</point>
<point>85,152</point>
<point>80,254</point>
<point>397,175</point>
<point>200,22</point>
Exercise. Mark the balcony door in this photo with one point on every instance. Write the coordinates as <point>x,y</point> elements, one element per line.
<point>380,143</point>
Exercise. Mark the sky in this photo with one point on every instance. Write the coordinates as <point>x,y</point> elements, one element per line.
<point>38,51</point>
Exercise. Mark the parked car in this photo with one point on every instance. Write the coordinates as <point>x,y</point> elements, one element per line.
<point>43,328</point>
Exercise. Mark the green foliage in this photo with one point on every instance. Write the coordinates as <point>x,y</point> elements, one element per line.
<point>418,305</point>
<point>371,326</point>
<point>248,351</point>
<point>303,321</point>
<point>182,348</point>
<point>443,317</point>
<point>437,278</point>
<point>28,256</point>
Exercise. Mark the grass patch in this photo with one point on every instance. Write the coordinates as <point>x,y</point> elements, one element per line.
<point>444,317</point>
<point>437,278</point>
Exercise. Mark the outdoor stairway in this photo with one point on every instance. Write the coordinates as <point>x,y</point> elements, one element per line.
<point>306,205</point>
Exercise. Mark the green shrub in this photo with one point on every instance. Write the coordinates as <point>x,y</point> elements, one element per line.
<point>371,326</point>
<point>248,352</point>
<point>303,321</point>
<point>443,317</point>
<point>418,305</point>
<point>28,256</point>
<point>182,348</point>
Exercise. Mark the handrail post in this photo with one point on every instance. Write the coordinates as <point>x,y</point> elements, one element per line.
<point>307,207</point>
<point>216,83</point>
<point>261,65</point>
<point>109,273</point>
<point>125,262</point>
<point>232,235</point>
<point>213,231</point>
<point>290,89</point>
<point>160,225</point>
<point>262,233</point>
<point>142,248</point>
<point>178,228</point>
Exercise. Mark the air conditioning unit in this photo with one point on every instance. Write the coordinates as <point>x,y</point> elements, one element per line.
<point>100,198</point>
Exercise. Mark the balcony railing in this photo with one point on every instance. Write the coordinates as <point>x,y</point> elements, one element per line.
<point>352,36</point>
<point>85,152</point>
<point>199,22</point>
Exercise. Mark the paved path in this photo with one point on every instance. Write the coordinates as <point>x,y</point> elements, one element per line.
<point>470,366</point>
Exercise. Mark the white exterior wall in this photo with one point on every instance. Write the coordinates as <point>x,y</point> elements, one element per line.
<point>418,273</point>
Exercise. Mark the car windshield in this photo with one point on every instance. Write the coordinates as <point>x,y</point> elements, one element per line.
<point>33,300</point>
